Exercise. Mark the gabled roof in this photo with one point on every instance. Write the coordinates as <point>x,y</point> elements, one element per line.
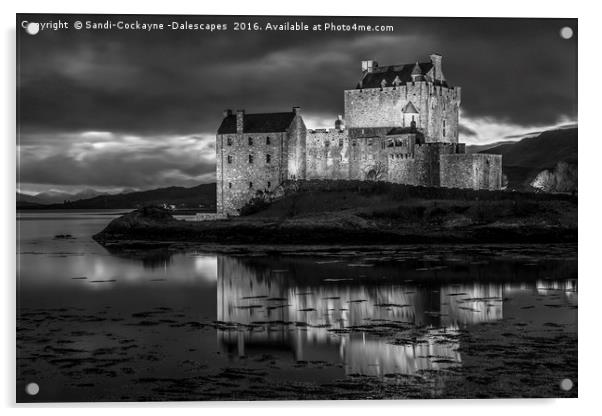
<point>258,123</point>
<point>409,108</point>
<point>388,73</point>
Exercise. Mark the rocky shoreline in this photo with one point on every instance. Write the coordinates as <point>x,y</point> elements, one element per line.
<point>155,227</point>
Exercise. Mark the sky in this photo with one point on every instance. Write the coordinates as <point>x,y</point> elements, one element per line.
<point>116,110</point>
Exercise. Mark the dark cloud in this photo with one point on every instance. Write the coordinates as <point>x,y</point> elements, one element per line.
<point>517,71</point>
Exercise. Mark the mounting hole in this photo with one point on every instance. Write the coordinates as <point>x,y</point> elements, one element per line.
<point>32,28</point>
<point>32,389</point>
<point>566,384</point>
<point>566,32</point>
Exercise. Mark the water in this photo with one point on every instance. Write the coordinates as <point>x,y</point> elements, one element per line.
<point>418,321</point>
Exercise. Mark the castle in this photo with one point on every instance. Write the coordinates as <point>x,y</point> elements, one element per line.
<point>400,125</point>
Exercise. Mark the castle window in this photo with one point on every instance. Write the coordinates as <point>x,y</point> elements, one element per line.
<point>443,128</point>
<point>230,185</point>
<point>268,158</point>
<point>369,142</point>
<point>267,140</point>
<point>250,185</point>
<point>392,156</point>
<point>327,143</point>
<point>354,142</point>
<point>340,142</point>
<point>229,159</point>
<point>250,158</point>
<point>269,184</point>
<point>229,141</point>
<point>250,141</point>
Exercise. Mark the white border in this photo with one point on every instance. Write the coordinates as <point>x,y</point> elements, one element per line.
<point>590,149</point>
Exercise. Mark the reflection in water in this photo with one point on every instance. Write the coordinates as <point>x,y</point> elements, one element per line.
<point>316,321</point>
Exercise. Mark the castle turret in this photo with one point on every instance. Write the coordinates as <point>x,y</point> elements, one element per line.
<point>339,123</point>
<point>417,73</point>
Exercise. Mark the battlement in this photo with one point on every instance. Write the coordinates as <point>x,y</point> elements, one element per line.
<point>410,88</point>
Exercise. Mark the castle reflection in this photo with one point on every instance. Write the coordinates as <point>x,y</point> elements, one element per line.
<point>343,320</point>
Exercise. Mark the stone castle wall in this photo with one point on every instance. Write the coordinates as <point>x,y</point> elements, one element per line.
<point>474,171</point>
<point>328,154</point>
<point>238,180</point>
<point>382,107</point>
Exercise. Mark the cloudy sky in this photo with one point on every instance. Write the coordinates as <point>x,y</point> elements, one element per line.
<point>113,110</point>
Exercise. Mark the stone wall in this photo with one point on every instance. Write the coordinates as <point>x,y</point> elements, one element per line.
<point>327,154</point>
<point>382,107</point>
<point>475,171</point>
<point>238,180</point>
<point>297,158</point>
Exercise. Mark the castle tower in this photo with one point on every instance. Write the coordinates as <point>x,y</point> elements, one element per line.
<point>256,153</point>
<point>383,93</point>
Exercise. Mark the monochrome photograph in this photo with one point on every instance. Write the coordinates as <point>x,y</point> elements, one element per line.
<point>275,208</point>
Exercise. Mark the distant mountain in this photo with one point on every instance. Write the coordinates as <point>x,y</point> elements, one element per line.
<point>524,160</point>
<point>480,148</point>
<point>58,197</point>
<point>28,199</point>
<point>202,196</point>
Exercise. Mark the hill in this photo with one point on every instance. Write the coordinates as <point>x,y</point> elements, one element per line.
<point>524,160</point>
<point>201,196</point>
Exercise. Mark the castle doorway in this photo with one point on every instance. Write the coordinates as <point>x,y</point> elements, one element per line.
<point>371,175</point>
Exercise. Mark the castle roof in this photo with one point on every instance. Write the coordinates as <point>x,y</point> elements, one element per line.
<point>374,78</point>
<point>409,108</point>
<point>258,123</point>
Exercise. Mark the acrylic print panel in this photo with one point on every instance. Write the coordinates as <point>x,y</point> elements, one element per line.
<point>279,208</point>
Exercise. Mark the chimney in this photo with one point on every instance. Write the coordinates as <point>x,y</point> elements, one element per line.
<point>240,119</point>
<point>227,113</point>
<point>437,71</point>
<point>297,111</point>
<point>368,66</point>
